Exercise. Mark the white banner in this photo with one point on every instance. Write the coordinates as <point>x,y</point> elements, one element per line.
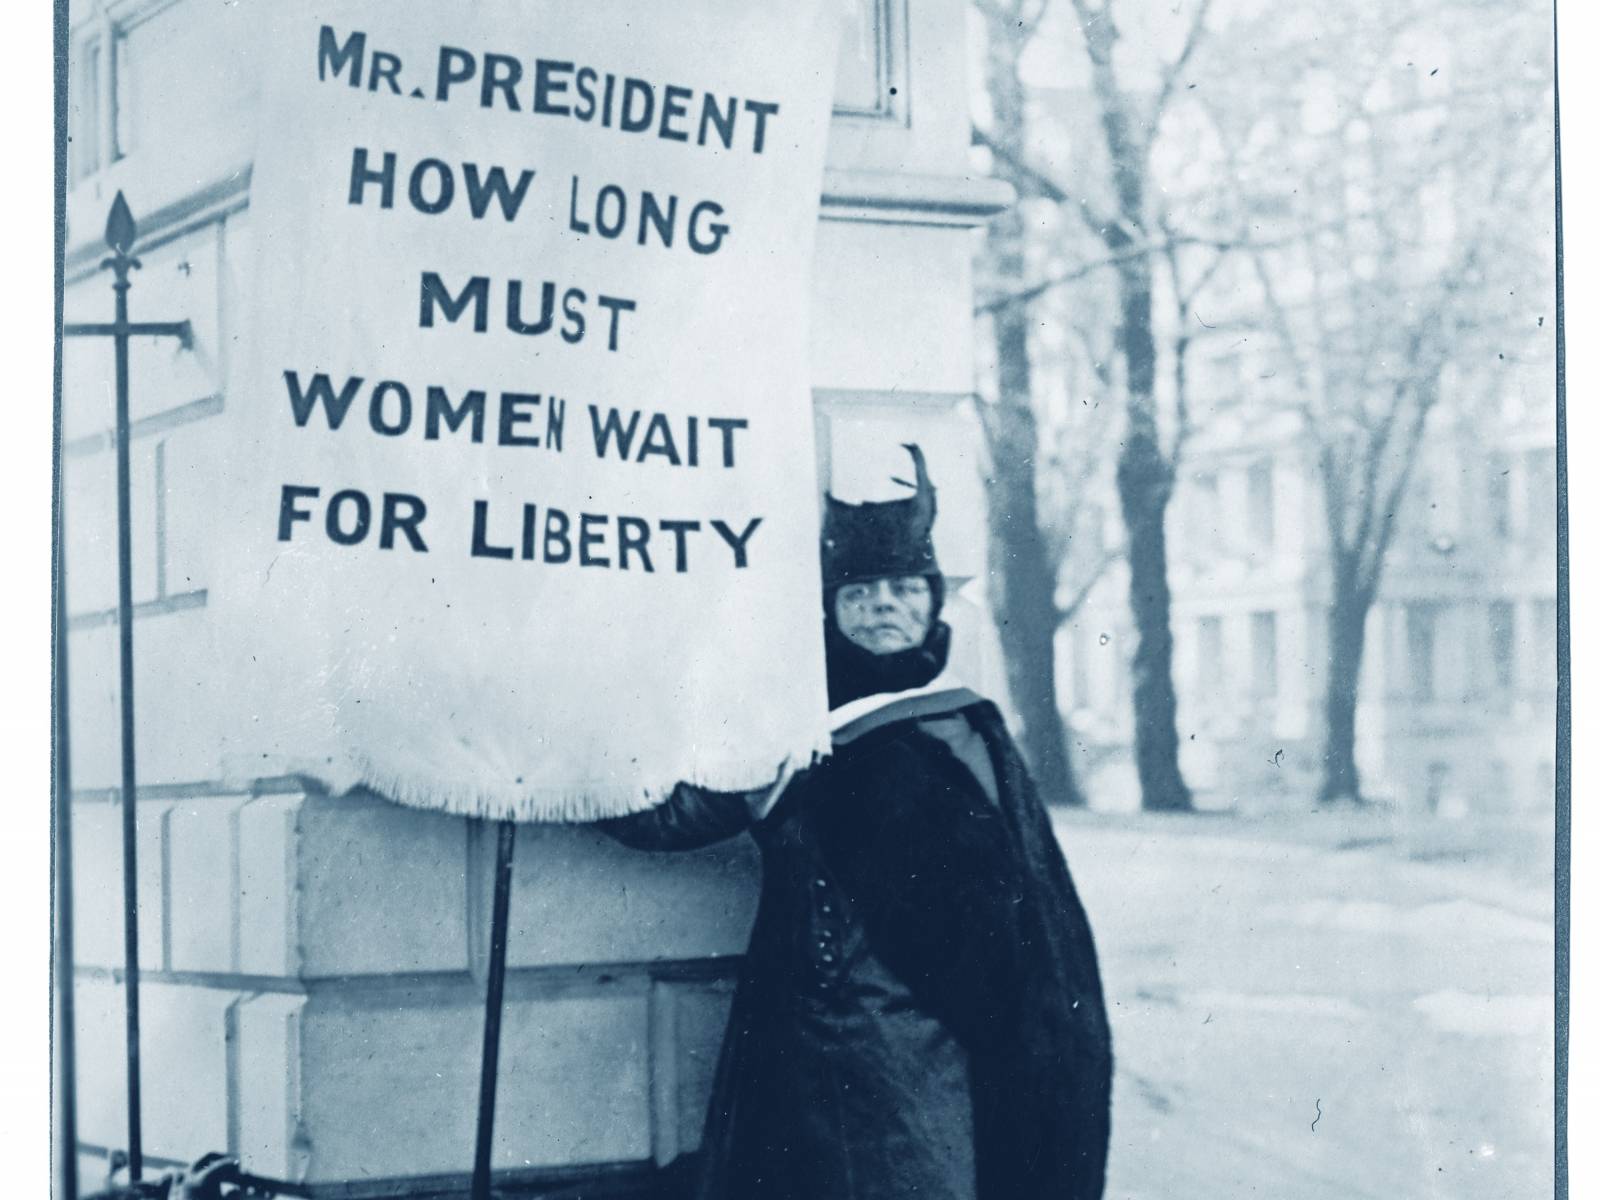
<point>523,520</point>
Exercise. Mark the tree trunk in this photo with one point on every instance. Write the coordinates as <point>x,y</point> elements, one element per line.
<point>1144,486</point>
<point>1025,608</point>
<point>1347,637</point>
<point>1019,559</point>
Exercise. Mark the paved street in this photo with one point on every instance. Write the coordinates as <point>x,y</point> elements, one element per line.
<point>1337,1005</point>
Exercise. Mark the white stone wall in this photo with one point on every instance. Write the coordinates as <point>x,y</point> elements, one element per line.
<point>313,965</point>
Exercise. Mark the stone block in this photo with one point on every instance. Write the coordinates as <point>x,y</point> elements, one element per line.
<point>579,897</point>
<point>550,1043</point>
<point>268,898</point>
<point>382,888</point>
<point>97,883</point>
<point>184,1055</point>
<point>701,1020</point>
<point>88,364</point>
<point>90,506</point>
<point>891,308</point>
<point>234,299</point>
<point>195,470</point>
<point>93,707</point>
<point>204,883</point>
<point>573,1086</point>
<point>179,282</point>
<point>102,1065</point>
<point>267,1072</point>
<point>179,711</point>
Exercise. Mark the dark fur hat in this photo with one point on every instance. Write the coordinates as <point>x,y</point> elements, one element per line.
<point>881,540</point>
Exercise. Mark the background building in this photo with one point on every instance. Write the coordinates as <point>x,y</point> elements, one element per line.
<point>1458,701</point>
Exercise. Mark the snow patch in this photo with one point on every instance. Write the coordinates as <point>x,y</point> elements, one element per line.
<point>1451,919</point>
<point>1486,1016</point>
<point>1301,1003</point>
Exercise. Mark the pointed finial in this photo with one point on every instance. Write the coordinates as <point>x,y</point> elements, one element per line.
<point>120,229</point>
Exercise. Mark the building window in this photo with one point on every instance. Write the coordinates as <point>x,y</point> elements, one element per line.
<point>1541,669</point>
<point>92,111</point>
<point>1203,511</point>
<point>1438,784</point>
<point>1502,646</point>
<point>83,111</point>
<point>1264,655</point>
<point>1227,375</point>
<point>871,79</point>
<point>1259,489</point>
<point>1443,498</point>
<point>1212,666</point>
<point>1541,493</point>
<point>1421,636</point>
<point>1498,497</point>
<point>1494,789</point>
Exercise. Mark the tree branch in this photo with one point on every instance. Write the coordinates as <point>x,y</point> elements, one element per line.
<point>1369,571</point>
<point>1169,79</point>
<point>1377,446</point>
<point>1126,150</point>
<point>1014,16</point>
<point>1332,473</point>
<point>1028,294</point>
<point>1034,291</point>
<point>1040,184</point>
<point>1065,612</point>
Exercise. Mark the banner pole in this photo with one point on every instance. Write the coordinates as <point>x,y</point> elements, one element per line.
<point>494,1003</point>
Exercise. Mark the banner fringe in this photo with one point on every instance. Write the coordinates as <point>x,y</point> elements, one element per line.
<point>570,805</point>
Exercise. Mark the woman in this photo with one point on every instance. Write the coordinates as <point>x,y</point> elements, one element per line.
<point>920,1011</point>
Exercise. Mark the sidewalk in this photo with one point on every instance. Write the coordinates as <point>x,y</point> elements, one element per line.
<point>1296,1019</point>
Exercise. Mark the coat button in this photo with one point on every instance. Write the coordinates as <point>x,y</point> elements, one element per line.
<point>827,958</point>
<point>820,883</point>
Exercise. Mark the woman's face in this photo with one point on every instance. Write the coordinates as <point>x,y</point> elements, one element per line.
<point>885,615</point>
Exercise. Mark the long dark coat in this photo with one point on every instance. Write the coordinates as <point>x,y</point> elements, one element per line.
<point>920,1011</point>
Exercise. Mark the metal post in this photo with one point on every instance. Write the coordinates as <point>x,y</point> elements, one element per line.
<point>121,263</point>
<point>120,232</point>
<point>64,1062</point>
<point>493,1005</point>
<point>66,1057</point>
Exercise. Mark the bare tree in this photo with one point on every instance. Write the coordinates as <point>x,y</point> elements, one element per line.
<point>1118,205</point>
<point>1129,118</point>
<point>1025,559</point>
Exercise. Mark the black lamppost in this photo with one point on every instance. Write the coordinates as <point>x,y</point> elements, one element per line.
<point>120,233</point>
